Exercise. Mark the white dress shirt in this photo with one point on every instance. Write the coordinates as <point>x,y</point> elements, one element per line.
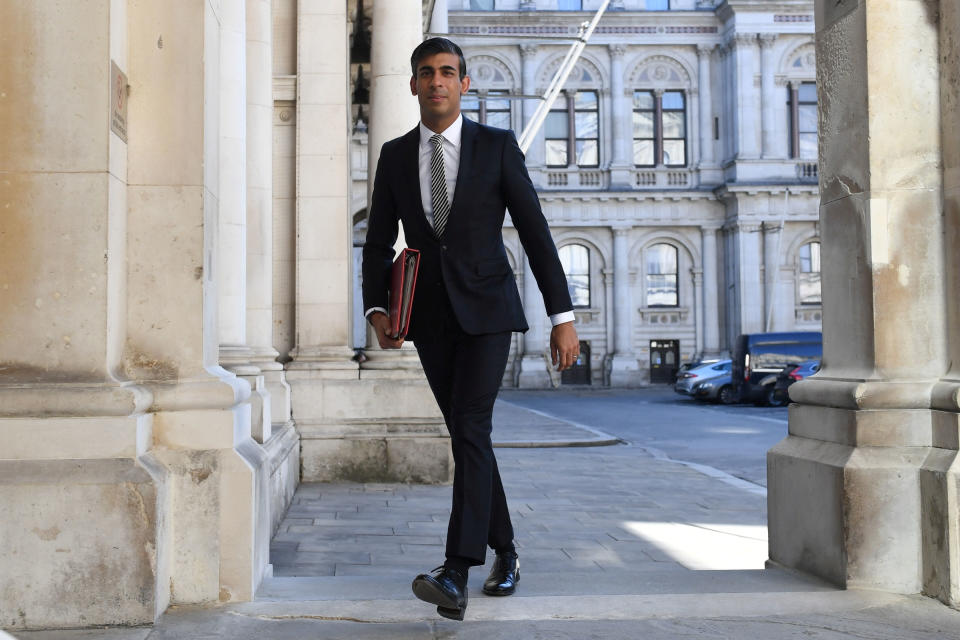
<point>451,166</point>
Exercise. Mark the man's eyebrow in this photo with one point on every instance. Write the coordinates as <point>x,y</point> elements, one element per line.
<point>444,67</point>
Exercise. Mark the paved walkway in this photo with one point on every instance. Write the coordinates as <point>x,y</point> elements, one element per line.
<point>613,541</point>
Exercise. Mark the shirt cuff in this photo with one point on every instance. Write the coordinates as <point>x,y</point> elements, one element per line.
<point>560,318</point>
<point>366,314</point>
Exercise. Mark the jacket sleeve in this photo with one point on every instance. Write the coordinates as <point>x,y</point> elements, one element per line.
<point>382,228</point>
<point>524,207</point>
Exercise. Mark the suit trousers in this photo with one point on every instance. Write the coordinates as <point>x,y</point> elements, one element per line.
<point>465,372</point>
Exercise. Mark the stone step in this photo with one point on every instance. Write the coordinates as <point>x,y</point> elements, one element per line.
<point>395,585</point>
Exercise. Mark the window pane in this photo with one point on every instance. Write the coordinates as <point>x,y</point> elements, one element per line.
<point>587,155</point>
<point>557,153</point>
<point>569,5</point>
<point>498,119</point>
<point>643,153</point>
<point>662,258</point>
<point>579,287</point>
<point>661,290</point>
<point>808,145</point>
<point>809,288</point>
<point>481,5</point>
<point>808,118</point>
<point>494,104</point>
<point>585,100</point>
<point>810,257</point>
<point>642,124</point>
<point>673,100</point>
<point>643,100</point>
<point>575,259</point>
<point>675,152</point>
<point>586,124</point>
<point>469,102</point>
<point>807,92</point>
<point>673,124</point>
<point>472,115</point>
<point>658,5</point>
<point>556,125</point>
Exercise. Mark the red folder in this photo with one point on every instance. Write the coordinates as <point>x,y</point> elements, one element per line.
<point>403,281</point>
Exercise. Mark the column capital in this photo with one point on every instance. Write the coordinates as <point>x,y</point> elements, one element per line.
<point>744,39</point>
<point>767,40</point>
<point>617,51</point>
<point>528,50</point>
<point>709,230</point>
<point>621,231</point>
<point>705,50</point>
<point>658,92</point>
<point>780,81</point>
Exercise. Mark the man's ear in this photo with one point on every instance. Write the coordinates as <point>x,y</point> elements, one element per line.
<point>464,85</point>
<point>413,86</point>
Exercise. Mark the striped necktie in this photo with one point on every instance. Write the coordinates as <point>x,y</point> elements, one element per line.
<point>438,186</point>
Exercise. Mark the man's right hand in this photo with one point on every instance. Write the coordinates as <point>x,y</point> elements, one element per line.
<point>381,325</point>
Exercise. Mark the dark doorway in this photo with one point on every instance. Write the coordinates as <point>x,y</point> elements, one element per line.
<point>664,359</point>
<point>579,373</point>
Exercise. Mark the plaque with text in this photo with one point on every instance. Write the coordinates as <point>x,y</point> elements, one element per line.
<point>118,101</point>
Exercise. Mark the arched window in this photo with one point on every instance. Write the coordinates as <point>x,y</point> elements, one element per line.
<point>808,287</point>
<point>662,276</point>
<point>575,259</point>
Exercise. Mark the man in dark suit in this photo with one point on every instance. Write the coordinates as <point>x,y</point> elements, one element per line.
<point>449,181</point>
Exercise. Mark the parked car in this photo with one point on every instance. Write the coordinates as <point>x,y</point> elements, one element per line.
<point>787,376</point>
<point>687,380</point>
<point>759,357</point>
<point>719,389</point>
<point>693,364</point>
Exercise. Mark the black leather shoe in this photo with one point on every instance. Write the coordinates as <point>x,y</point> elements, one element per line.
<point>504,575</point>
<point>444,587</point>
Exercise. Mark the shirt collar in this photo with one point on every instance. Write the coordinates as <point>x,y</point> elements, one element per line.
<point>451,134</point>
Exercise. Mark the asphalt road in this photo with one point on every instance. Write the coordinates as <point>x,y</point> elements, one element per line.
<point>733,438</point>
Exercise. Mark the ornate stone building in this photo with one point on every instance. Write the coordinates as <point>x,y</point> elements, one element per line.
<point>677,170</point>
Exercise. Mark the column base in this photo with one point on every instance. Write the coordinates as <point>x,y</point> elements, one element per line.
<point>378,424</point>
<point>624,371</point>
<point>535,374</point>
<point>846,496</point>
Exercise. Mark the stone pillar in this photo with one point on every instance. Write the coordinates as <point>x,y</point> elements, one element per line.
<point>706,105</point>
<point>942,541</point>
<point>624,370</point>
<point>698,311</point>
<point>771,272</point>
<point>863,490</point>
<point>533,365</point>
<point>711,286</point>
<point>768,94</point>
<point>621,167</point>
<point>259,212</point>
<point>749,285</point>
<point>439,18</point>
<point>535,155</point>
<point>748,113</point>
<point>781,119</point>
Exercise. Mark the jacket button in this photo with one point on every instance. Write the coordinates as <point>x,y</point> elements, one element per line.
<point>443,247</point>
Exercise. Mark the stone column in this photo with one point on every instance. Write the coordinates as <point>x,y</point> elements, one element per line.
<point>621,167</point>
<point>863,491</point>
<point>749,285</point>
<point>781,119</point>
<point>439,19</point>
<point>942,571</point>
<point>768,94</point>
<point>533,365</point>
<point>535,155</point>
<point>706,105</point>
<point>747,113</point>
<point>624,369</point>
<point>711,285</point>
<point>259,211</point>
<point>771,272</point>
<point>698,310</point>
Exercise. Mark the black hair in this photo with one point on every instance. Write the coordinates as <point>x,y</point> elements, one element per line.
<point>434,46</point>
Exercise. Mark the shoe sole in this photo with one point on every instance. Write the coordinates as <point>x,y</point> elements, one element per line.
<point>428,592</point>
<point>452,614</point>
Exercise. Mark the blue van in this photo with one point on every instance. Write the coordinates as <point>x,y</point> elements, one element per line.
<point>759,357</point>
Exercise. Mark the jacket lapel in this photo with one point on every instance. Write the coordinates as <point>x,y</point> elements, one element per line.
<point>410,151</point>
<point>467,136</point>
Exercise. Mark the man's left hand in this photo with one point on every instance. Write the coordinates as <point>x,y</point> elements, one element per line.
<point>564,346</point>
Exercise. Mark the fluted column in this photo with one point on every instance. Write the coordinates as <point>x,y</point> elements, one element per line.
<point>622,128</point>
<point>704,52</point>
<point>624,370</point>
<point>711,285</point>
<point>863,491</point>
<point>768,94</point>
<point>748,112</point>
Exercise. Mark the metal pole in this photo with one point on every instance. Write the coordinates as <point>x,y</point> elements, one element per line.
<point>540,115</point>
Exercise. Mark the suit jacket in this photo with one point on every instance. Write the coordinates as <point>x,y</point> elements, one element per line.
<point>470,264</point>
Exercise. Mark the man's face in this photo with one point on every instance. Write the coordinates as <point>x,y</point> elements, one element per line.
<point>438,87</point>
